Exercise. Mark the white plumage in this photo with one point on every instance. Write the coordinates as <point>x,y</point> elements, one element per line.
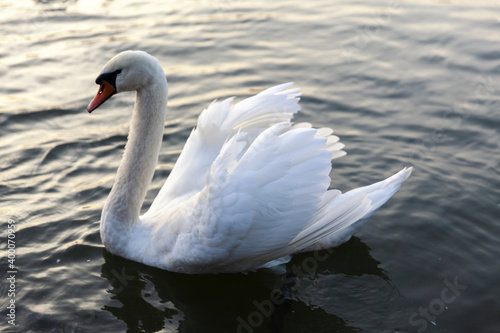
<point>248,190</point>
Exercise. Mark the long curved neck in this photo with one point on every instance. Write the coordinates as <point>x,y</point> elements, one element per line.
<point>136,170</point>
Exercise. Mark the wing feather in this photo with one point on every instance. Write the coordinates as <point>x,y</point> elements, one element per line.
<point>258,196</point>
<point>216,124</point>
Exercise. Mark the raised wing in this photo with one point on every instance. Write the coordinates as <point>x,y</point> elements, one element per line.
<point>216,124</point>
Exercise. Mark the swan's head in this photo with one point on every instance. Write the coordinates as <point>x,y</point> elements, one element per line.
<point>127,71</point>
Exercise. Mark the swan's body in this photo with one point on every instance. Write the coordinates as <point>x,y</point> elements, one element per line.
<point>248,190</point>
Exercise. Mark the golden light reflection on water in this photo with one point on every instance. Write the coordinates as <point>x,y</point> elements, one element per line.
<point>88,6</point>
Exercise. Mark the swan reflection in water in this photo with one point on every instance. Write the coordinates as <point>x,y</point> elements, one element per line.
<point>148,299</point>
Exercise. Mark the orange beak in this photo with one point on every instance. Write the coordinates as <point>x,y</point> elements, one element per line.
<point>106,90</point>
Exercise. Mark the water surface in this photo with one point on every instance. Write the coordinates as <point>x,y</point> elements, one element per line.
<point>402,83</point>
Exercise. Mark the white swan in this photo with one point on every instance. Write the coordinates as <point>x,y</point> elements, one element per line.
<point>248,190</point>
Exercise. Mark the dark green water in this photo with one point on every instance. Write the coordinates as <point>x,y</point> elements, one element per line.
<point>402,83</point>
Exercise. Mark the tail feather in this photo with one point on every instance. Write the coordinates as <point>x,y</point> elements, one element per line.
<point>341,215</point>
<point>381,191</point>
<point>377,194</point>
<point>351,209</point>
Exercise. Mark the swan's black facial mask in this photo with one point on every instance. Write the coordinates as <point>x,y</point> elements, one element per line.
<point>107,82</point>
